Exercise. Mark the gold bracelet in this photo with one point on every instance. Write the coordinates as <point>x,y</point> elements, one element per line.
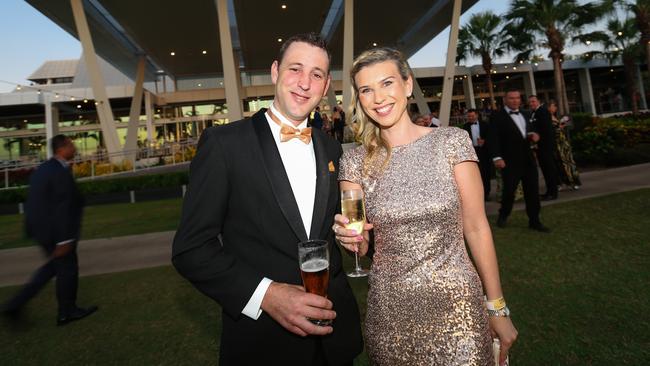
<point>496,304</point>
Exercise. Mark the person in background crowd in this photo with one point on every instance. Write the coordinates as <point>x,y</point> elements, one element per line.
<point>567,169</point>
<point>478,131</point>
<point>327,124</point>
<point>509,142</point>
<point>317,121</point>
<point>53,214</point>
<point>541,121</point>
<point>338,123</point>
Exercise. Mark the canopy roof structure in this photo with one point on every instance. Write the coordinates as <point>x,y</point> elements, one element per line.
<point>181,38</point>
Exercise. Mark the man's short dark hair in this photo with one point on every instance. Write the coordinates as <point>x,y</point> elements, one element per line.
<point>58,142</point>
<point>309,38</point>
<point>472,110</point>
<point>512,90</point>
<point>533,96</point>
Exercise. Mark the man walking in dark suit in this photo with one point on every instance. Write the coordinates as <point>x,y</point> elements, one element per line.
<point>541,121</point>
<point>53,217</point>
<point>317,121</point>
<point>508,141</point>
<point>478,131</point>
<point>257,188</point>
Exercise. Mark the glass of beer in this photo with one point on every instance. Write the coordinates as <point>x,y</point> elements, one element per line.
<point>352,207</point>
<point>314,259</point>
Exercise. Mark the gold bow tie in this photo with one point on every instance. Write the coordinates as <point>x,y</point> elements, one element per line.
<point>287,132</point>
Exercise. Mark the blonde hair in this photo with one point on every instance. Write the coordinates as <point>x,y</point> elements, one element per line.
<point>366,131</point>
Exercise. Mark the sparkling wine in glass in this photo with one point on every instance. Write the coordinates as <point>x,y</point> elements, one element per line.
<point>352,207</point>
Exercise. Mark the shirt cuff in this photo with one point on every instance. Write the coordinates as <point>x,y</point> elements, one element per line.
<point>65,242</point>
<point>253,307</point>
<point>497,158</point>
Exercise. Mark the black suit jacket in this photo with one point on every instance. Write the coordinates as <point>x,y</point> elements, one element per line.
<point>505,141</point>
<point>481,151</point>
<point>239,192</point>
<point>543,125</point>
<point>54,205</point>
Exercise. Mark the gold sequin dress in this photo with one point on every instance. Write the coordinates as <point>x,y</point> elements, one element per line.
<point>425,298</point>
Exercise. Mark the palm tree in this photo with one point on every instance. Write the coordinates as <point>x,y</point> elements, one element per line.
<point>641,11</point>
<point>483,36</point>
<point>620,40</point>
<point>548,24</point>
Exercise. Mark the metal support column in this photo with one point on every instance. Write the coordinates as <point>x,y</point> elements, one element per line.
<point>104,112</point>
<point>586,91</point>
<point>134,115</point>
<point>148,107</point>
<point>423,107</point>
<point>450,66</point>
<point>51,123</point>
<point>231,74</point>
<point>468,90</point>
<point>639,78</point>
<point>529,84</point>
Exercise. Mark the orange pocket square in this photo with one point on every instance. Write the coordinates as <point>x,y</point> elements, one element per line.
<point>331,166</point>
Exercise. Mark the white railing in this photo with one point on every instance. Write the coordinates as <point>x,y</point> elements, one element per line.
<point>103,164</point>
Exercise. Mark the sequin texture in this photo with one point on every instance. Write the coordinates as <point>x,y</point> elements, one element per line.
<point>425,299</point>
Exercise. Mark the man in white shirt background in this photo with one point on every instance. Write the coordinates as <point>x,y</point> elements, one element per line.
<point>257,188</point>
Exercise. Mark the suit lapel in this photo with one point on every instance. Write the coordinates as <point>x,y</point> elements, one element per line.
<point>513,124</point>
<point>274,169</point>
<point>322,185</point>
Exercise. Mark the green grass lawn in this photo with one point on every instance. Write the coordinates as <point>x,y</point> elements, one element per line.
<point>579,296</point>
<point>105,221</point>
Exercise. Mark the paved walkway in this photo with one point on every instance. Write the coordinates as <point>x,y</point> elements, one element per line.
<point>151,250</point>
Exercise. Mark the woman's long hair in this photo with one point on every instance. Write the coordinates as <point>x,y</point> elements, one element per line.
<point>366,131</point>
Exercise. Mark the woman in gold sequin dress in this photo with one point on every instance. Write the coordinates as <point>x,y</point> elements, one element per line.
<point>423,194</point>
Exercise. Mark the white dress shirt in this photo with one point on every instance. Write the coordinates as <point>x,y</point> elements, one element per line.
<point>519,120</point>
<point>476,132</point>
<point>299,163</point>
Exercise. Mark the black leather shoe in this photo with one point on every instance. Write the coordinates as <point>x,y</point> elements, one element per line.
<point>501,222</point>
<point>548,197</point>
<point>539,227</point>
<point>76,314</point>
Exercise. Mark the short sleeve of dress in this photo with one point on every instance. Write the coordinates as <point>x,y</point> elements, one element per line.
<point>351,165</point>
<point>461,148</point>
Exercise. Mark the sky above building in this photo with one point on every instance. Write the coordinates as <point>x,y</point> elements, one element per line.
<point>28,38</point>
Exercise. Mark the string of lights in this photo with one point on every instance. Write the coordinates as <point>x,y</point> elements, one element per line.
<point>40,90</point>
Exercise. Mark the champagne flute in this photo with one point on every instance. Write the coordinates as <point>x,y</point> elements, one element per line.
<point>352,207</point>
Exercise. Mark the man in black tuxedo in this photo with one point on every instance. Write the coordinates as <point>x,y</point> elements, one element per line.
<point>258,188</point>
<point>508,141</point>
<point>478,131</point>
<point>53,218</point>
<point>541,121</point>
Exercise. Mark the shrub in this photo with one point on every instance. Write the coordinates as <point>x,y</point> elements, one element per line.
<point>101,186</point>
<point>597,142</point>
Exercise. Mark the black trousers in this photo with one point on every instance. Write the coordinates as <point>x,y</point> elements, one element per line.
<point>529,179</point>
<point>66,270</point>
<point>549,170</point>
<point>319,356</point>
